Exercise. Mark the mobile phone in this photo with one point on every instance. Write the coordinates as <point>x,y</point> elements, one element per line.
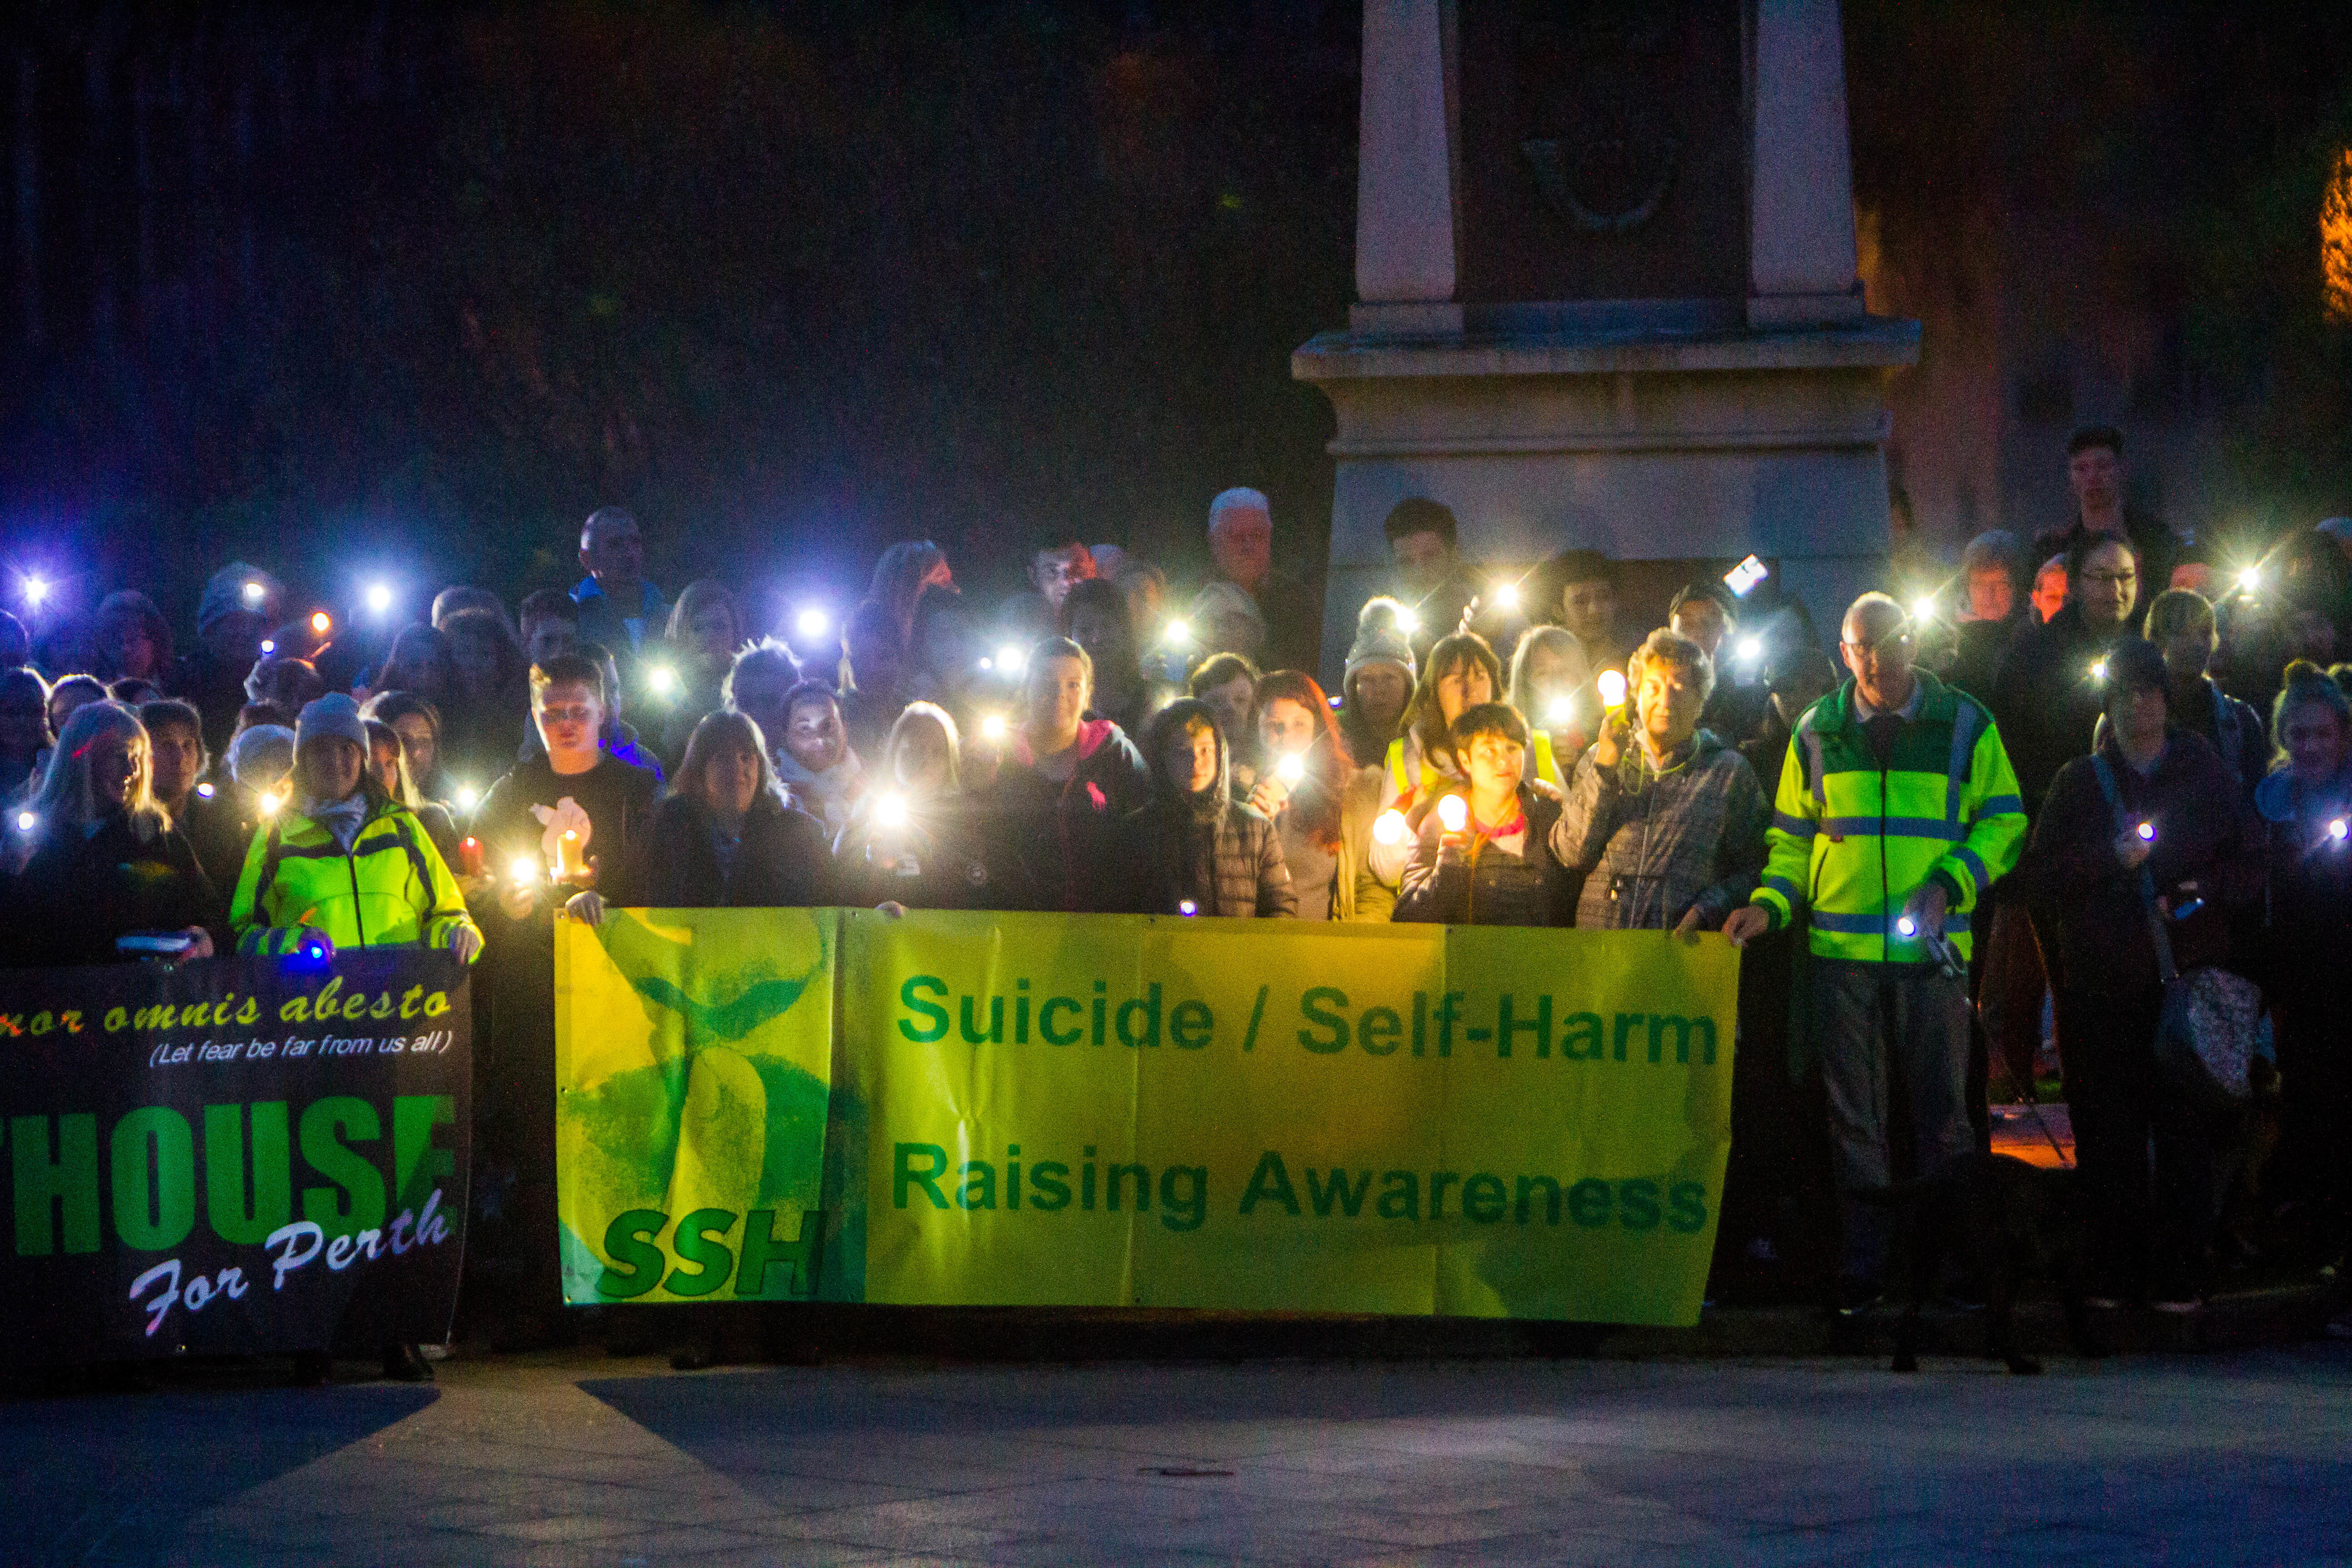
<point>1742,579</point>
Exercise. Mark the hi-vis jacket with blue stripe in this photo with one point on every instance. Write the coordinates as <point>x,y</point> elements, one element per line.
<point>393,887</point>
<point>1851,841</point>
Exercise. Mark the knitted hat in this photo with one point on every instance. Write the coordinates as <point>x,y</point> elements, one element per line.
<point>225,593</point>
<point>261,757</point>
<point>332,717</point>
<point>1379,645</point>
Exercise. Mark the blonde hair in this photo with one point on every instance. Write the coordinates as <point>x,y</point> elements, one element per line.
<point>65,795</point>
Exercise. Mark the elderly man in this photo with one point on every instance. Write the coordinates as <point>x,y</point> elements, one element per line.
<point>1667,820</point>
<point>1897,809</point>
<point>617,607</point>
<point>1240,551</point>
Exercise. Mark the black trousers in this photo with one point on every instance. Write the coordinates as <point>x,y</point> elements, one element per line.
<point>2147,1153</point>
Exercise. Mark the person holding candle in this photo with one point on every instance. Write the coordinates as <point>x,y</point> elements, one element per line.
<point>578,788</point>
<point>1551,686</point>
<point>913,841</point>
<point>1665,821</point>
<point>1305,779</point>
<point>1483,855</point>
<point>1461,673</point>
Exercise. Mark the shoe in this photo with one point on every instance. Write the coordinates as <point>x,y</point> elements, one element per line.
<point>405,1363</point>
<point>313,1368</point>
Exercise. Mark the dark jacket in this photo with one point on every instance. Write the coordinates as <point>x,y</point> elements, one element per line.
<point>2303,929</point>
<point>217,831</point>
<point>1207,853</point>
<point>78,893</point>
<point>1978,648</point>
<point>781,862</point>
<point>2046,701</point>
<point>2203,833</point>
<point>1050,844</point>
<point>603,621</point>
<point>1656,845</point>
<point>934,862</point>
<point>1490,886</point>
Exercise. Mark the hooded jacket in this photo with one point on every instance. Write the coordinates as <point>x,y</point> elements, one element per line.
<point>1659,843</point>
<point>391,886</point>
<point>1209,851</point>
<point>1051,843</point>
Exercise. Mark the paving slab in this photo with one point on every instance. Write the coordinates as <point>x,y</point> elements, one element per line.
<point>581,1460</point>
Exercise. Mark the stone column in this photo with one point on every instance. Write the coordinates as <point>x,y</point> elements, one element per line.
<point>1801,265</point>
<point>1404,170</point>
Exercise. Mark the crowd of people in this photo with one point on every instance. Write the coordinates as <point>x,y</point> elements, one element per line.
<point>2061,782</point>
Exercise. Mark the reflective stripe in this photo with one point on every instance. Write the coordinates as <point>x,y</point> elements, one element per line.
<point>1396,766</point>
<point>2001,806</point>
<point>1976,867</point>
<point>1851,925</point>
<point>1893,827</point>
<point>401,822</point>
<point>1816,769</point>
<point>1794,827</point>
<point>1782,886</point>
<point>1964,743</point>
<point>269,857</point>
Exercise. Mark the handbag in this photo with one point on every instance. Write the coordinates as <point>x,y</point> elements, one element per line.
<point>2205,1038</point>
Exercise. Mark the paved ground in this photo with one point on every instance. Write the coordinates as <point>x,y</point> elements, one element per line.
<point>581,1460</point>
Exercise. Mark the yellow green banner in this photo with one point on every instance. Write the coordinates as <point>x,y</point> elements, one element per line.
<point>1114,1111</point>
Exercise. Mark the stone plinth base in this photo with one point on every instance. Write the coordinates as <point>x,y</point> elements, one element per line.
<point>1647,442</point>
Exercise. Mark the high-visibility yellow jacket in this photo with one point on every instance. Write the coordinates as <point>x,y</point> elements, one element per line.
<point>393,887</point>
<point>1540,765</point>
<point>1851,841</point>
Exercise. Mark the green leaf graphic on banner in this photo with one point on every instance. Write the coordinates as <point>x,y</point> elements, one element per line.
<point>723,1107</point>
<point>726,1020</point>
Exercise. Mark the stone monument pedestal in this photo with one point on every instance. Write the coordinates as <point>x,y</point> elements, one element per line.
<point>1736,404</point>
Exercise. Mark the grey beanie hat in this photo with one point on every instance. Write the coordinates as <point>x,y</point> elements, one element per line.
<point>261,757</point>
<point>1379,643</point>
<point>332,717</point>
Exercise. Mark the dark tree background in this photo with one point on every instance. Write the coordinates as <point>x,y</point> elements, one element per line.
<point>347,287</point>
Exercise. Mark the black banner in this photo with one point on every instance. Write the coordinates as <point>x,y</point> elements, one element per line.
<point>244,1155</point>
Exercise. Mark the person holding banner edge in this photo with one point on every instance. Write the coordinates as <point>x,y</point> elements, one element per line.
<point>347,867</point>
<point>1897,809</point>
<point>95,861</point>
